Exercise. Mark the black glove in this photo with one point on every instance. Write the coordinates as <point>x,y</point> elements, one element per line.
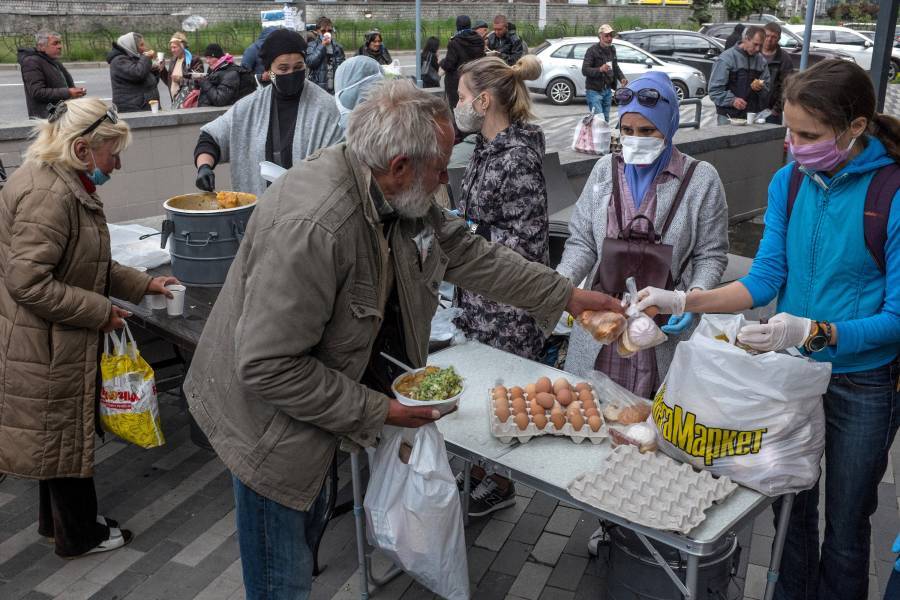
<point>206,178</point>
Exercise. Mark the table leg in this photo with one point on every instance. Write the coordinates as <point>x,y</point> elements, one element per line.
<point>784,517</point>
<point>467,486</point>
<point>690,579</point>
<point>664,564</point>
<point>359,520</point>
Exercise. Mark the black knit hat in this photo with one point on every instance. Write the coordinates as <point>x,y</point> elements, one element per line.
<point>214,50</point>
<point>463,22</point>
<point>480,24</point>
<point>281,41</point>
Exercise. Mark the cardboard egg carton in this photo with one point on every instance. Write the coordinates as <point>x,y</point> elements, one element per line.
<point>508,431</point>
<point>651,489</point>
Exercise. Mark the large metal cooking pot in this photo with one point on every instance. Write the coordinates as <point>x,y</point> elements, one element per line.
<point>205,238</point>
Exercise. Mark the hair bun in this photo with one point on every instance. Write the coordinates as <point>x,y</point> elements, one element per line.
<point>527,68</point>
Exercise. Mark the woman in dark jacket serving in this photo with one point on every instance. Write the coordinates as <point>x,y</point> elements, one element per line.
<point>463,47</point>
<point>504,199</point>
<point>132,73</point>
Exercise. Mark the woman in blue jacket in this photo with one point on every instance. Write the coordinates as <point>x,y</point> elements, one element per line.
<point>836,273</point>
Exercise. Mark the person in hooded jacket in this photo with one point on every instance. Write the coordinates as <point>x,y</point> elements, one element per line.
<point>222,81</point>
<point>282,123</point>
<point>374,48</point>
<point>503,197</point>
<point>251,58</point>
<point>45,79</point>
<point>133,74</point>
<point>55,307</point>
<point>833,265</point>
<point>463,47</point>
<point>352,81</point>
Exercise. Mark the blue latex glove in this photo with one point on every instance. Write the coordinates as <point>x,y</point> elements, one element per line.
<point>678,324</point>
<point>896,548</point>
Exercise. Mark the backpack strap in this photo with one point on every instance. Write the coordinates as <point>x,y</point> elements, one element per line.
<point>616,195</point>
<point>793,189</point>
<point>880,195</point>
<point>682,189</point>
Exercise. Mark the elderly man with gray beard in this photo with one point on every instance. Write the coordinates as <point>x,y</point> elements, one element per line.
<point>341,261</point>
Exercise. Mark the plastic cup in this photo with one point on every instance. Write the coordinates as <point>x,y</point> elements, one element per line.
<point>751,118</point>
<point>160,56</point>
<point>154,106</point>
<point>155,301</point>
<point>175,304</point>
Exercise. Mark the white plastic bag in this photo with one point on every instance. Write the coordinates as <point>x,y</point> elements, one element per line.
<point>592,135</point>
<point>442,327</point>
<point>757,418</point>
<point>413,512</point>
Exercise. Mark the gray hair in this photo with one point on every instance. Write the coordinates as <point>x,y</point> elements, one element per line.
<point>42,38</point>
<point>396,119</point>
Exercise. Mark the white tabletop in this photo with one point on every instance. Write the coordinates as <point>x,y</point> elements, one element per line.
<point>552,461</point>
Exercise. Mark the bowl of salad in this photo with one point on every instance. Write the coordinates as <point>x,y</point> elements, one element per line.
<point>429,386</point>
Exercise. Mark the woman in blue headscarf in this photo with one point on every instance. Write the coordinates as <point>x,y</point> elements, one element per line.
<point>649,173</point>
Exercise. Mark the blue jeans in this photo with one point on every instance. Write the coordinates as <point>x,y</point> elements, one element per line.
<point>599,102</point>
<point>862,412</point>
<point>277,544</point>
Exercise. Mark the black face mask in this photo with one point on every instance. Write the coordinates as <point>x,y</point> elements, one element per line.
<point>289,85</point>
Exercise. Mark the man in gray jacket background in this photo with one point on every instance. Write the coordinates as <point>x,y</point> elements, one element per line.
<point>739,82</point>
<point>342,259</point>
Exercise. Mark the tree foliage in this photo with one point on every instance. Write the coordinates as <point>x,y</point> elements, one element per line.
<point>738,9</point>
<point>701,12</point>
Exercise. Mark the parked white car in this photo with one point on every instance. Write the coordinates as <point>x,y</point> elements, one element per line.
<point>852,42</point>
<point>561,79</point>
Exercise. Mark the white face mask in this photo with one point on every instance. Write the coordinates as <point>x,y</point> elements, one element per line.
<point>337,97</point>
<point>641,151</point>
<point>468,120</point>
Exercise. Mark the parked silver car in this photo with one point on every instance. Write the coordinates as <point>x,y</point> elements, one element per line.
<point>561,79</point>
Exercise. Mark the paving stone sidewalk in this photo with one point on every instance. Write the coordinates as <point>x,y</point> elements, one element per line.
<point>178,501</point>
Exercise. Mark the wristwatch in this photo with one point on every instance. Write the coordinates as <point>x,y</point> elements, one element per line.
<point>820,337</point>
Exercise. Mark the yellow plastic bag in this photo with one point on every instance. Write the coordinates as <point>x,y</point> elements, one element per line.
<point>128,406</point>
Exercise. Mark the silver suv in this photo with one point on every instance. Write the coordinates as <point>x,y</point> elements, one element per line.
<point>561,79</point>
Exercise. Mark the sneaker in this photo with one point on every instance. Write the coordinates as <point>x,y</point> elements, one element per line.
<point>117,538</point>
<point>488,497</point>
<point>599,538</point>
<point>476,474</point>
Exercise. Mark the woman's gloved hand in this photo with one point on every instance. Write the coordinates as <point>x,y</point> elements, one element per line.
<point>206,178</point>
<point>782,331</point>
<point>678,324</point>
<point>668,302</point>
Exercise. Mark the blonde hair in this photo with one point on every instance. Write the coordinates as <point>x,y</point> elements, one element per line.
<point>54,142</point>
<point>506,84</point>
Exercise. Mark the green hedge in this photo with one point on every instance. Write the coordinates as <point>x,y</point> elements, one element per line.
<point>235,37</point>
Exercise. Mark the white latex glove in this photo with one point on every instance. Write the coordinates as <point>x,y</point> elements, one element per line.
<point>668,302</point>
<point>782,331</point>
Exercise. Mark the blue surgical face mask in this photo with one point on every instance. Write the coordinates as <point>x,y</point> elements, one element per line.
<point>97,176</point>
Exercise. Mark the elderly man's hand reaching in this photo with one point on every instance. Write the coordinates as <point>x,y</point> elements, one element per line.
<point>582,300</point>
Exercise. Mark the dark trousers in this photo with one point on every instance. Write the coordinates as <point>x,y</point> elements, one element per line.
<point>862,413</point>
<point>68,514</point>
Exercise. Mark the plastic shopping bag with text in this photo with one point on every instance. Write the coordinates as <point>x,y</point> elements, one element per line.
<point>128,406</point>
<point>757,418</point>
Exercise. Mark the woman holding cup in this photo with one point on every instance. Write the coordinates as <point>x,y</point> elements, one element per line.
<point>58,275</point>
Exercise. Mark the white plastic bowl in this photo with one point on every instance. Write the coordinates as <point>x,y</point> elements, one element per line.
<point>443,406</point>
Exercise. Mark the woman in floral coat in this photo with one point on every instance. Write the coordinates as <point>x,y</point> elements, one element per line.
<point>503,196</point>
<point>504,199</point>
